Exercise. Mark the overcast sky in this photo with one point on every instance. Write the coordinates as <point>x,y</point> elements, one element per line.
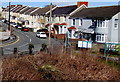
<point>42,3</point>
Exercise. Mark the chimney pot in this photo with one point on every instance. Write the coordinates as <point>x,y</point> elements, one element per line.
<point>81,3</point>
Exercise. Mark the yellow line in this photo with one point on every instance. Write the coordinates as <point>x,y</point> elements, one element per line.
<point>12,43</point>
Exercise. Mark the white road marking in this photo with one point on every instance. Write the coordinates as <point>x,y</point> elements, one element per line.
<point>24,45</point>
<point>30,40</point>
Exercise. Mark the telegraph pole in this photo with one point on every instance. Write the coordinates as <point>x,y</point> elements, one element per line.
<point>49,44</point>
<point>9,16</point>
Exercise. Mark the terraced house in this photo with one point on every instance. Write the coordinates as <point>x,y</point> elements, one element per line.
<point>29,19</point>
<point>60,18</point>
<point>100,24</point>
<point>38,20</point>
<point>5,12</point>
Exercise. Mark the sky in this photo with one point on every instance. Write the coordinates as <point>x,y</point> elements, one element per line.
<point>42,3</point>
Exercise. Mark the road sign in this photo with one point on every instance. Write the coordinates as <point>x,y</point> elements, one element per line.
<point>84,44</point>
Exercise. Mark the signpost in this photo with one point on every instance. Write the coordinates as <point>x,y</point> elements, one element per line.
<point>84,44</point>
<point>111,46</point>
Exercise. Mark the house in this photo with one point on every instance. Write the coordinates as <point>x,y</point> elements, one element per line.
<point>38,17</point>
<point>13,16</point>
<point>60,18</point>
<point>29,19</point>
<point>21,20</point>
<point>102,24</point>
<point>5,12</point>
<point>17,14</point>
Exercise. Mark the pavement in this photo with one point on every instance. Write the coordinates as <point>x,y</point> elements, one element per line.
<point>0,69</point>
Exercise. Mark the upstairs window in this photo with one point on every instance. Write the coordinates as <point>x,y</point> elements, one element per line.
<point>42,17</point>
<point>100,23</point>
<point>59,18</point>
<point>64,18</point>
<point>73,22</point>
<point>47,18</point>
<point>116,24</point>
<point>52,18</point>
<point>80,22</point>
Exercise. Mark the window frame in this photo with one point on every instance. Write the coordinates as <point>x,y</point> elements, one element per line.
<point>73,22</point>
<point>100,37</point>
<point>80,22</point>
<point>116,23</point>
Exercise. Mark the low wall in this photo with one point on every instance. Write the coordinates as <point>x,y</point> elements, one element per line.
<point>4,35</point>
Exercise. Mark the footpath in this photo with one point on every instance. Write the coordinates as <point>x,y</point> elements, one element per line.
<point>0,69</point>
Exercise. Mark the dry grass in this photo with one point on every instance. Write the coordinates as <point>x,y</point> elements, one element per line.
<point>80,67</point>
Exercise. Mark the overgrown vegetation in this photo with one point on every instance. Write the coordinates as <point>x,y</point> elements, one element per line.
<point>49,72</point>
<point>58,67</point>
<point>110,63</point>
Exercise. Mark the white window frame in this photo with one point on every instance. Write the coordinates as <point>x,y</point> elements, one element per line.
<point>101,37</point>
<point>64,18</point>
<point>116,23</point>
<point>59,18</point>
<point>42,17</point>
<point>102,25</point>
<point>73,22</point>
<point>80,22</point>
<point>48,18</point>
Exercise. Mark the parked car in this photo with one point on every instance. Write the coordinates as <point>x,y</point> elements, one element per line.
<point>41,35</point>
<point>19,27</point>
<point>24,29</point>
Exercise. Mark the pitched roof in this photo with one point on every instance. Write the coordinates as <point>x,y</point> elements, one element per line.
<point>97,12</point>
<point>21,12</point>
<point>18,10</point>
<point>30,10</point>
<point>7,9</point>
<point>64,10</point>
<point>12,9</point>
<point>41,11</point>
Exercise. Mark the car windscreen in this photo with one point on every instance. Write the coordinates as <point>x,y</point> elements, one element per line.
<point>42,33</point>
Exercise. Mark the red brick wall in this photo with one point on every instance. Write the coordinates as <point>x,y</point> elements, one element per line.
<point>60,36</point>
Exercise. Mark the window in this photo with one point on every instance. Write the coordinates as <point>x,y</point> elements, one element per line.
<point>42,17</point>
<point>64,18</point>
<point>48,18</point>
<point>80,22</point>
<point>100,37</point>
<point>32,23</point>
<point>59,18</point>
<point>100,23</point>
<point>116,24</point>
<point>61,29</point>
<point>73,22</point>
<point>64,29</point>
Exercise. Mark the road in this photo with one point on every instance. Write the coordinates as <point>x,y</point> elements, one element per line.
<point>24,38</point>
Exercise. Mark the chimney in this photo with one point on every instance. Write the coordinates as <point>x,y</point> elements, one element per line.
<point>81,3</point>
<point>19,5</point>
<point>12,5</point>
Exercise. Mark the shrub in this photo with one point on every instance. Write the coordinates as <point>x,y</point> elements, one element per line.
<point>30,47</point>
<point>44,46</point>
<point>49,72</point>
